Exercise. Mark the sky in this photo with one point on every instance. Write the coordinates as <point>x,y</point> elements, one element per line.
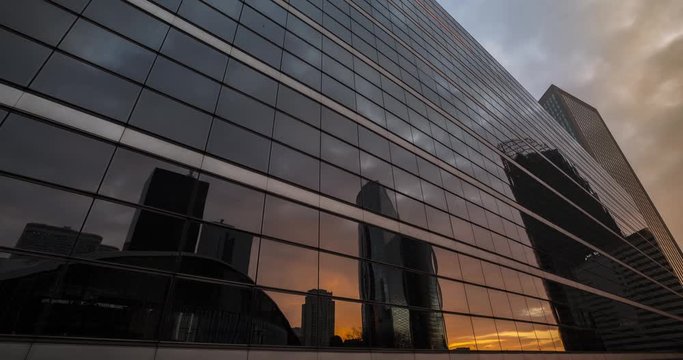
<point>625,57</point>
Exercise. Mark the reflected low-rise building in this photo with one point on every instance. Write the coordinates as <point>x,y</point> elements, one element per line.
<point>303,179</point>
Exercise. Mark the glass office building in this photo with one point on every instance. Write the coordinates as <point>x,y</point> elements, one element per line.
<point>304,179</point>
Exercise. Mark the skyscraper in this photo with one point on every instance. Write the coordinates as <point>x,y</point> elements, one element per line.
<point>585,124</point>
<point>227,157</point>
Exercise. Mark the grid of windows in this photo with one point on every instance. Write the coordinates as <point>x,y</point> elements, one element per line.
<point>353,101</point>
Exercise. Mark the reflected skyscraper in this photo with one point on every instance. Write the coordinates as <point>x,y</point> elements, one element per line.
<point>393,326</point>
<point>317,318</point>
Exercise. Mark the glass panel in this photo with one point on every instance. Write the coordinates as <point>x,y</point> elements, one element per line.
<point>122,234</point>
<point>375,169</point>
<point>112,52</point>
<point>21,58</point>
<point>221,252</point>
<point>500,304</point>
<point>433,195</point>
<point>232,205</point>
<point>462,230</point>
<point>194,54</point>
<point>245,111</point>
<point>301,71</point>
<point>492,275</point>
<point>340,153</point>
<point>298,105</point>
<point>208,313</point>
<point>453,296</point>
<point>520,311</point>
<point>294,166</point>
<point>411,211</point>
<point>162,115</point>
<point>95,301</point>
<point>486,334</point>
<point>339,126</point>
<point>37,19</point>
<point>339,183</point>
<point>128,21</point>
<point>438,221</point>
<point>535,310</point>
<point>545,340</point>
<point>527,336</point>
<point>262,25</point>
<point>339,234</point>
<point>26,282</point>
<point>447,263</point>
<point>459,330</point>
<point>478,300</point>
<point>92,89</point>
<point>507,333</point>
<point>373,143</point>
<point>348,325</point>
<point>184,84</point>
<point>403,158</point>
<point>137,178</point>
<point>511,280</point>
<point>471,269</point>
<point>339,275</point>
<point>407,183</point>
<point>287,266</point>
<point>39,218</point>
<point>297,134</point>
<point>277,318</point>
<point>251,82</point>
<point>208,18</point>
<point>290,221</point>
<point>241,146</point>
<point>257,46</point>
<point>45,152</point>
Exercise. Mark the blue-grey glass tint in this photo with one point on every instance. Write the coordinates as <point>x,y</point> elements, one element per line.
<point>21,58</point>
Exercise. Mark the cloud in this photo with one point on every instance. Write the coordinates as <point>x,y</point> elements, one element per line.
<point>622,56</point>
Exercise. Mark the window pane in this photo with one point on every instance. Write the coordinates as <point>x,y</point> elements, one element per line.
<point>233,205</point>
<point>257,46</point>
<point>462,230</point>
<point>245,111</point>
<point>92,89</point>
<point>287,266</point>
<point>486,334</point>
<point>179,82</point>
<point>459,330</point>
<point>37,19</point>
<point>104,302</point>
<point>519,307</point>
<point>453,295</point>
<point>492,275</point>
<point>278,318</point>
<point>294,166</point>
<point>511,280</point>
<point>339,183</point>
<point>527,336</point>
<point>162,115</point>
<point>411,211</point>
<point>507,333</point>
<point>39,218</point>
<point>478,300</point>
<point>208,18</point>
<point>128,21</point>
<point>301,71</point>
<point>21,58</point>
<point>500,304</point>
<point>122,234</point>
<point>194,54</point>
<point>339,275</point>
<point>298,105</point>
<point>241,146</point>
<point>339,126</point>
<point>290,221</point>
<point>208,313</point>
<point>45,152</point>
<point>471,269</point>
<point>338,234</point>
<point>373,143</point>
<point>104,48</point>
<point>251,82</point>
<point>142,179</point>
<point>375,169</point>
<point>448,263</point>
<point>340,153</point>
<point>348,325</point>
<point>438,221</point>
<point>26,282</point>
<point>297,134</point>
<point>221,252</point>
<point>407,183</point>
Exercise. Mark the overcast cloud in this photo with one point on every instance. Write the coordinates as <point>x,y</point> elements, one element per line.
<point>625,57</point>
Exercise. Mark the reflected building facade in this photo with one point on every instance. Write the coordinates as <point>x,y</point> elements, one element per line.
<point>271,178</point>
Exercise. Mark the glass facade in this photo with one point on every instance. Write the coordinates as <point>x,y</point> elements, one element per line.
<point>318,176</point>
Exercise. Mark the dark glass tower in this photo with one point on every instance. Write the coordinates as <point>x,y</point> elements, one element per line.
<point>303,179</point>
